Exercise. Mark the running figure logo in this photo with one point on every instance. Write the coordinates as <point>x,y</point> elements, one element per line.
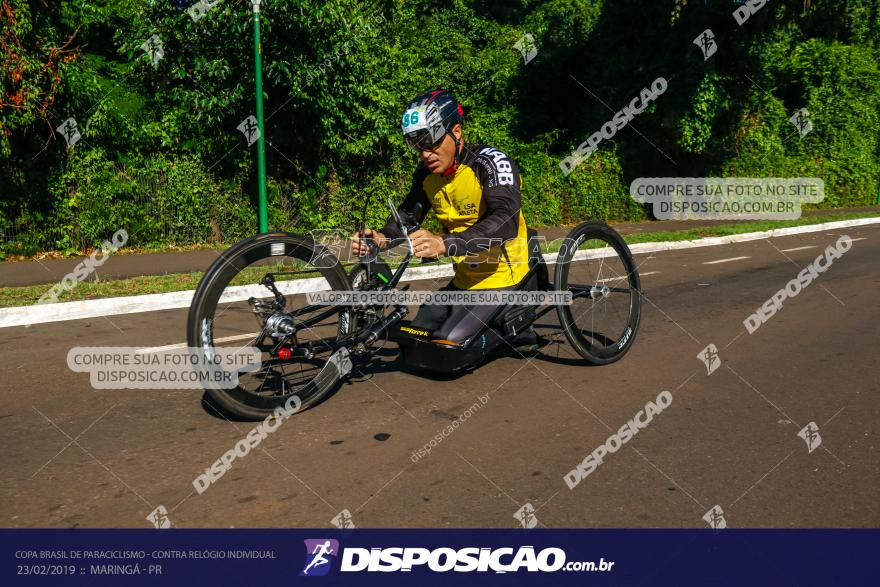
<point>250,129</point>
<point>706,43</point>
<point>320,553</point>
<point>343,520</point>
<point>69,129</point>
<point>526,47</point>
<point>526,516</point>
<point>801,121</point>
<point>154,49</point>
<point>159,517</point>
<point>715,518</point>
<point>810,434</point>
<point>710,358</point>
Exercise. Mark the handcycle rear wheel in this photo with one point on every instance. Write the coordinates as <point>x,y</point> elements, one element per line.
<point>596,265</point>
<point>234,307</point>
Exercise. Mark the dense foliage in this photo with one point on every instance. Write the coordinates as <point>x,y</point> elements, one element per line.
<point>161,156</point>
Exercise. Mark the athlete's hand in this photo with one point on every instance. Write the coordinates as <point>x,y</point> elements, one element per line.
<point>427,244</point>
<point>359,248</point>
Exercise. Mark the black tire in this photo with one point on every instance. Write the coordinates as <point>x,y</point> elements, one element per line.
<point>280,248</point>
<point>605,343</point>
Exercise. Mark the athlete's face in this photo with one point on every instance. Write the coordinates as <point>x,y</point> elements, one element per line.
<point>440,158</point>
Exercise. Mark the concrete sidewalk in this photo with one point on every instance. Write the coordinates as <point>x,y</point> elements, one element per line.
<point>23,273</point>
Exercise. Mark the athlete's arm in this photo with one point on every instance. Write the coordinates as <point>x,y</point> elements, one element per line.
<point>499,177</point>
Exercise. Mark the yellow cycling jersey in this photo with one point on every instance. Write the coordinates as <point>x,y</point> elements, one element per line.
<point>479,207</point>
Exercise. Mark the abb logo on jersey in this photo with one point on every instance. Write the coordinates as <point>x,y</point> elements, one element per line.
<point>502,165</point>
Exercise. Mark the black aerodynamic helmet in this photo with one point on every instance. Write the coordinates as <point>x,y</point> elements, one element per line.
<point>428,117</point>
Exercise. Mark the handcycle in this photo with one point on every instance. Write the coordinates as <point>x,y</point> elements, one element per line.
<point>253,295</point>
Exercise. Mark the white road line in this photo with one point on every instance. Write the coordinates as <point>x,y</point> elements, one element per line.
<point>798,249</point>
<point>37,314</point>
<point>182,345</point>
<point>861,238</point>
<point>725,260</point>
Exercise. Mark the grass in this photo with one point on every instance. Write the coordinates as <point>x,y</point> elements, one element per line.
<point>89,290</point>
<point>7,256</point>
<point>146,284</point>
<point>150,284</point>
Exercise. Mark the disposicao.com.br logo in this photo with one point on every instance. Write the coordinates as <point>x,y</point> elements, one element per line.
<point>442,560</point>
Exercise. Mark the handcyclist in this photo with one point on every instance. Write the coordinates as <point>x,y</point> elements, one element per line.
<point>475,192</point>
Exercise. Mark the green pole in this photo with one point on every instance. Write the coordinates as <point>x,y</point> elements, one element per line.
<point>261,142</point>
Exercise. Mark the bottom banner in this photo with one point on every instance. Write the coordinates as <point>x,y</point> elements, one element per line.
<point>437,557</point>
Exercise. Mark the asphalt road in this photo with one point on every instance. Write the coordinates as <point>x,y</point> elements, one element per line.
<point>76,457</point>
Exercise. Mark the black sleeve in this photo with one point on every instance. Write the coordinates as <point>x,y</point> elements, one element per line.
<point>415,198</point>
<point>500,180</point>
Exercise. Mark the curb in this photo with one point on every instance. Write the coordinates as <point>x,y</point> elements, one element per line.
<point>42,313</point>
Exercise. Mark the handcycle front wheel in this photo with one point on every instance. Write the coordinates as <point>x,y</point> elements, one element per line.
<point>597,267</point>
<point>251,296</point>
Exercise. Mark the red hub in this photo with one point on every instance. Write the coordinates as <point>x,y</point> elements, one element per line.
<point>284,353</point>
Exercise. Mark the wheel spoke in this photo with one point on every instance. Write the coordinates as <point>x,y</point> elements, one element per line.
<point>295,338</point>
<point>605,306</point>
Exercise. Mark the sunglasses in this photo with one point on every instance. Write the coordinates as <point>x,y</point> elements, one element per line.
<point>423,143</point>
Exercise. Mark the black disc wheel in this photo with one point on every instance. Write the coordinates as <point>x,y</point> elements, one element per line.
<point>254,296</point>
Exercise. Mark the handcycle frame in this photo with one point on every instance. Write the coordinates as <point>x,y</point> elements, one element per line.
<point>417,347</point>
<point>358,328</point>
